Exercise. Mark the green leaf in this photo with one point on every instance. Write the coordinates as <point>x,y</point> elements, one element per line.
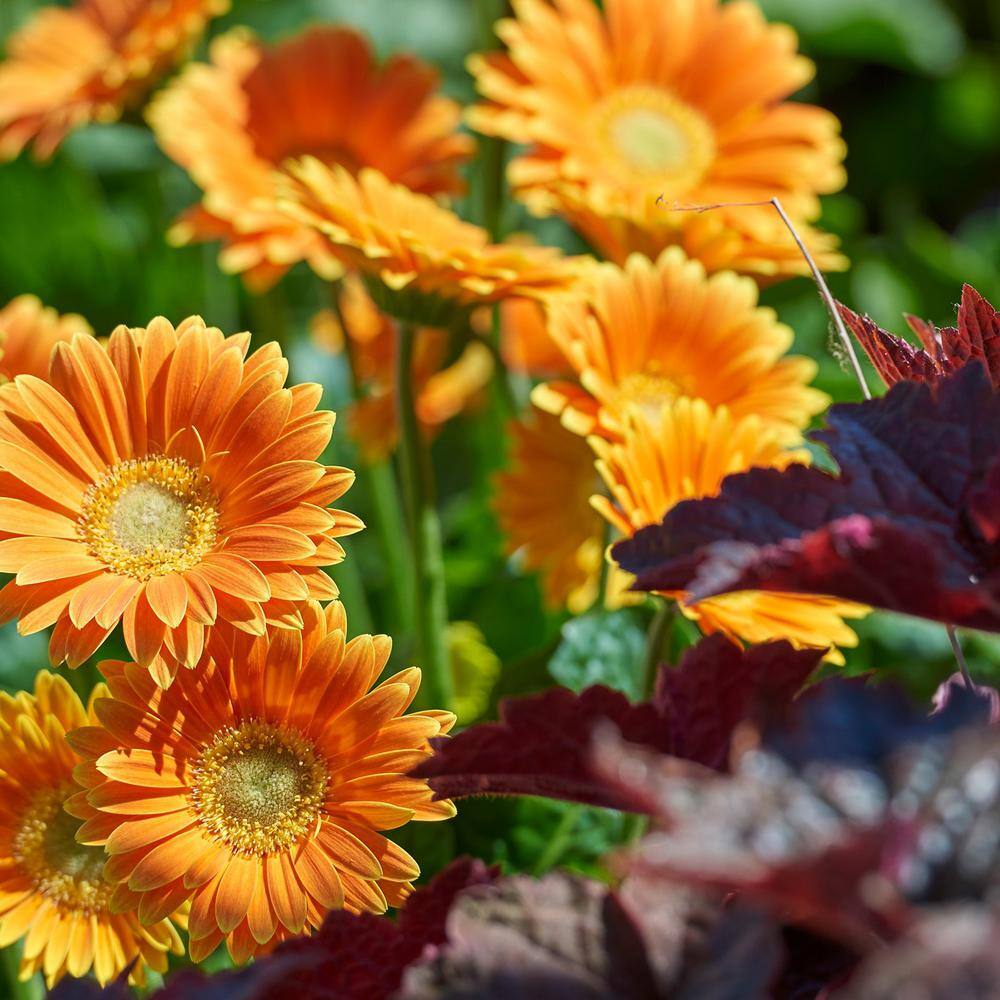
<point>604,647</point>
<point>914,34</point>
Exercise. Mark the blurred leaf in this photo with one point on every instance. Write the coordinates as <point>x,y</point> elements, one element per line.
<point>604,647</point>
<point>915,34</point>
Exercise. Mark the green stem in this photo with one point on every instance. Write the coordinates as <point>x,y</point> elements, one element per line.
<point>387,522</point>
<point>657,637</point>
<point>17,988</point>
<point>492,152</point>
<point>559,840</point>
<point>430,599</point>
<point>656,645</point>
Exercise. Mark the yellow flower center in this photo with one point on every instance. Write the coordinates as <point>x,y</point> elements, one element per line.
<point>45,848</point>
<point>149,516</point>
<point>259,787</point>
<point>647,391</point>
<point>648,131</point>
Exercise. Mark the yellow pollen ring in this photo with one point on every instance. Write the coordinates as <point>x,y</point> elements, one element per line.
<point>649,131</point>
<point>149,516</point>
<point>647,392</point>
<point>259,787</point>
<point>69,874</point>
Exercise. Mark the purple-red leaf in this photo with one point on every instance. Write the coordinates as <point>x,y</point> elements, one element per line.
<point>566,936</point>
<point>945,349</point>
<point>951,954</point>
<point>718,685</point>
<point>542,743</point>
<point>909,524</point>
<point>850,832</point>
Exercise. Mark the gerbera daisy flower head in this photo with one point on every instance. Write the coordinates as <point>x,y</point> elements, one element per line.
<point>53,893</point>
<point>257,785</point>
<point>234,122</point>
<point>542,503</point>
<point>630,111</point>
<point>70,66</point>
<point>683,452</point>
<point>525,343</point>
<point>29,331</point>
<point>422,261</point>
<point>168,482</point>
<point>653,331</point>
<point>369,337</point>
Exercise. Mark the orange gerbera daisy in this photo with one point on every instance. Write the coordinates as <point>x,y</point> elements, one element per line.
<point>525,343</point>
<point>653,331</point>
<point>67,67</point>
<point>684,452</point>
<point>232,124</point>
<point>442,390</point>
<point>411,244</point>
<point>167,482</point>
<point>679,100</point>
<point>542,502</point>
<point>29,331</point>
<point>257,784</point>
<point>53,893</point>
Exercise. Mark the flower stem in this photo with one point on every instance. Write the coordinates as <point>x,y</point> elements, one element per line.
<point>391,533</point>
<point>429,598</point>
<point>559,840</point>
<point>380,480</point>
<point>656,642</point>
<point>19,989</point>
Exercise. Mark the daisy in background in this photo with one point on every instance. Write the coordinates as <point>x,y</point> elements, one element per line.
<point>368,336</point>
<point>421,260</point>
<point>53,893</point>
<point>542,501</point>
<point>683,451</point>
<point>653,331</point>
<point>234,122</point>
<point>168,482</point>
<point>89,62</point>
<point>526,346</point>
<point>29,331</point>
<point>643,105</point>
<point>258,784</point>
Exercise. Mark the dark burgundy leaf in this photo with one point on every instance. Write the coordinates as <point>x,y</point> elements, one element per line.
<point>351,957</point>
<point>561,936</point>
<point>904,526</point>
<point>803,847</point>
<point>853,723</point>
<point>813,965</point>
<point>983,700</point>
<point>951,954</point>
<point>542,743</point>
<point>874,811</point>
<point>565,936</point>
<point>540,746</point>
<point>719,685</point>
<point>945,349</point>
<point>947,803</point>
<point>69,988</point>
<point>738,961</point>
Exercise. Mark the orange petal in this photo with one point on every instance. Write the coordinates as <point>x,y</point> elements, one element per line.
<point>167,596</point>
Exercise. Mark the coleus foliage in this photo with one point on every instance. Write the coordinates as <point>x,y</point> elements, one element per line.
<point>945,349</point>
<point>542,743</point>
<point>911,523</point>
<point>863,822</point>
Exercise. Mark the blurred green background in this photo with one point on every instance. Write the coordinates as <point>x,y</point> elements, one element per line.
<point>916,84</point>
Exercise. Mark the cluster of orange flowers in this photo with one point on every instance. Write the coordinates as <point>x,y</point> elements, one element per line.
<point>235,776</point>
